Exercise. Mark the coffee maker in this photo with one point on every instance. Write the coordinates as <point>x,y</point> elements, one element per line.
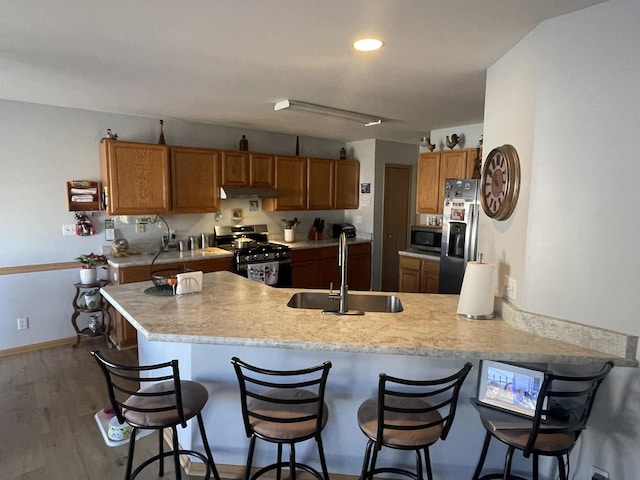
<point>459,232</point>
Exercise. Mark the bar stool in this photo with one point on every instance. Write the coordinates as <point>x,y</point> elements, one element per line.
<point>165,402</point>
<point>284,407</point>
<point>563,407</point>
<point>408,415</point>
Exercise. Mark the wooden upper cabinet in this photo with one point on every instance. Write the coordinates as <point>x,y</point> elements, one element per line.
<point>428,178</point>
<point>244,169</point>
<point>195,180</point>
<point>135,177</point>
<point>453,164</point>
<point>235,168</point>
<point>320,183</point>
<point>291,183</point>
<point>433,169</point>
<point>261,170</point>
<point>347,184</point>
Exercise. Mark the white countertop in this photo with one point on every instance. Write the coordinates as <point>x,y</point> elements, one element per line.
<point>232,310</point>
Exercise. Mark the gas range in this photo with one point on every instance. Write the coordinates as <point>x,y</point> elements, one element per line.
<point>262,252</point>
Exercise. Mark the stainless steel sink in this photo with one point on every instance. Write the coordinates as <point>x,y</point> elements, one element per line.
<point>364,303</point>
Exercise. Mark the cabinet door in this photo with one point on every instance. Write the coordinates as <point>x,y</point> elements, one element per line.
<point>291,183</point>
<point>305,270</point>
<point>409,274</point>
<point>429,276</point>
<point>471,161</point>
<point>320,183</point>
<point>347,184</point>
<point>428,190</point>
<point>453,164</point>
<point>329,269</point>
<point>136,177</point>
<point>359,274</point>
<point>235,169</point>
<point>195,180</point>
<point>261,170</point>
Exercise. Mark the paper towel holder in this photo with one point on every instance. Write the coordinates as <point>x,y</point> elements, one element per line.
<point>476,300</point>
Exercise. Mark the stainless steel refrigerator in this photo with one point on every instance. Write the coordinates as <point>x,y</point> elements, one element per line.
<point>459,232</point>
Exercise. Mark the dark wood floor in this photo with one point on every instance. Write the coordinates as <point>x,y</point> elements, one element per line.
<point>47,402</point>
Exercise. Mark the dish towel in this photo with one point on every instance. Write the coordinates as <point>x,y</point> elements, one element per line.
<point>266,273</point>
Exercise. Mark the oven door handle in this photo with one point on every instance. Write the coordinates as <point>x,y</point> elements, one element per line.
<point>243,267</point>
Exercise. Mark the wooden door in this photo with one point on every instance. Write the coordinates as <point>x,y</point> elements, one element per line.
<point>320,183</point>
<point>428,190</point>
<point>347,184</point>
<point>395,222</point>
<point>195,180</point>
<point>235,169</point>
<point>136,177</point>
<point>261,170</point>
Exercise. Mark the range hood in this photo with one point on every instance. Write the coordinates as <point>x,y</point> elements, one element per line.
<point>248,192</point>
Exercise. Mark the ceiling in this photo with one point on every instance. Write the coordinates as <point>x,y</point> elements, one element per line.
<point>226,62</point>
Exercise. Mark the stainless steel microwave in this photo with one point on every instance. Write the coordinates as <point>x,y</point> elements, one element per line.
<point>428,239</point>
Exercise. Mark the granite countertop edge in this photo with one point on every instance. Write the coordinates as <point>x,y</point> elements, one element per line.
<point>257,315</point>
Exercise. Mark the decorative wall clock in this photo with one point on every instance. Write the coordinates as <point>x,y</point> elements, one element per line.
<point>500,182</point>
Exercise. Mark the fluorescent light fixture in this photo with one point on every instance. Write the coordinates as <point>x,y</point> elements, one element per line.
<point>368,120</point>
<point>368,44</point>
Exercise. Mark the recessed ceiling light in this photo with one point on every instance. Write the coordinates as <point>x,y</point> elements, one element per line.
<point>368,44</point>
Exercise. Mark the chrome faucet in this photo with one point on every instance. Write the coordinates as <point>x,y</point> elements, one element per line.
<point>343,296</point>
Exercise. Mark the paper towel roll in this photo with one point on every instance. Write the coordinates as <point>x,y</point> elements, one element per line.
<point>476,296</point>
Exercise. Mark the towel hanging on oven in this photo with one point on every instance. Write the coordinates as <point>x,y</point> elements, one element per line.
<point>266,272</point>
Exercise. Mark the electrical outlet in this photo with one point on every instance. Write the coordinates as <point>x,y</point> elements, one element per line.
<point>140,228</point>
<point>598,473</point>
<point>68,230</point>
<point>509,288</point>
<point>23,323</point>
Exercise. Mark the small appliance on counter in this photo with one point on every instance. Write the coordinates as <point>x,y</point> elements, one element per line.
<point>348,229</point>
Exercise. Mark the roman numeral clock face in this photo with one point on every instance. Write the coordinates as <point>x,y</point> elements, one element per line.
<point>500,182</point>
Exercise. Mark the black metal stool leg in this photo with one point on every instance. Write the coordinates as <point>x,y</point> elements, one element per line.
<point>365,462</point>
<point>418,465</point>
<point>483,456</point>
<point>207,449</point>
<point>561,468</point>
<point>161,452</point>
<point>507,463</point>
<point>323,461</point>
<point>132,443</point>
<point>292,461</point>
<point>252,446</point>
<point>176,453</point>
<point>427,461</point>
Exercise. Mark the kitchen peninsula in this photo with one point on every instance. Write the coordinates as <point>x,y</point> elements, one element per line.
<point>236,316</point>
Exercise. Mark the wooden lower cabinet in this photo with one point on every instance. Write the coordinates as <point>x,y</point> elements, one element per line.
<point>419,276</point>
<point>318,267</point>
<point>122,334</point>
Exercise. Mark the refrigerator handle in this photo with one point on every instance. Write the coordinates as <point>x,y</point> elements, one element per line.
<point>471,238</point>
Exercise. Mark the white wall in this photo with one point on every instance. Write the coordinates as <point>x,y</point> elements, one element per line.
<point>373,155</point>
<point>567,98</point>
<point>41,149</point>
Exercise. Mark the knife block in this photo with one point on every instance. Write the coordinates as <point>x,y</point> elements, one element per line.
<point>314,234</point>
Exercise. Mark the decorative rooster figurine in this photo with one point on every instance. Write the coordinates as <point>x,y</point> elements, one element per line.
<point>453,142</point>
<point>430,146</point>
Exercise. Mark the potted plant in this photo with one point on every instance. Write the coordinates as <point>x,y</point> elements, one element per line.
<point>91,299</point>
<point>88,273</point>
